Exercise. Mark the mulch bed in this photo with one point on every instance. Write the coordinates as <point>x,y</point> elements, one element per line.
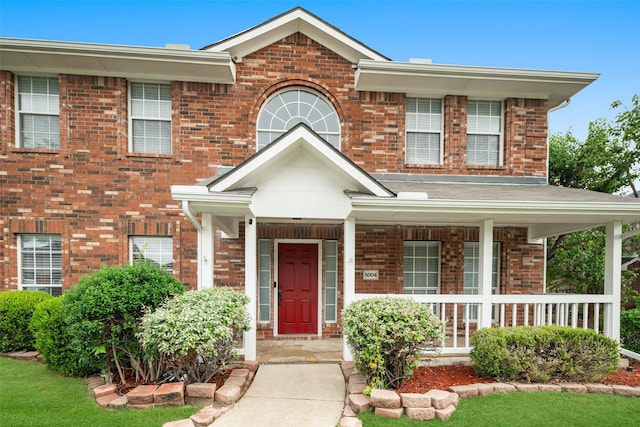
<point>443,377</point>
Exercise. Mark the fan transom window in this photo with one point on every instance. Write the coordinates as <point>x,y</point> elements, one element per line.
<point>288,108</point>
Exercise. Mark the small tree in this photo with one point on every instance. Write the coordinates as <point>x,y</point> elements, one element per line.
<point>197,331</point>
<point>103,310</point>
<point>387,336</point>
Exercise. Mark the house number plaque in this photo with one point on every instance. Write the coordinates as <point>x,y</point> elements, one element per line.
<point>370,274</point>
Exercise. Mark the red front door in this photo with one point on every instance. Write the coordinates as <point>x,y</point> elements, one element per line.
<point>298,288</point>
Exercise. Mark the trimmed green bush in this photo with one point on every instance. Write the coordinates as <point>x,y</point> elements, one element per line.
<point>16,309</point>
<point>630,329</point>
<point>197,331</point>
<point>387,336</point>
<point>542,354</point>
<point>102,313</point>
<point>53,341</point>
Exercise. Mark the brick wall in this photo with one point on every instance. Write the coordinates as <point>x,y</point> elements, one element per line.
<point>95,193</point>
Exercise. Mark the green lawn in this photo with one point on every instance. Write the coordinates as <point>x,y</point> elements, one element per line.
<point>32,395</point>
<point>545,409</point>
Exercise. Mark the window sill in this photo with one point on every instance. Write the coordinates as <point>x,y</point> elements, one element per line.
<point>499,168</point>
<point>22,150</point>
<point>424,166</point>
<point>150,155</point>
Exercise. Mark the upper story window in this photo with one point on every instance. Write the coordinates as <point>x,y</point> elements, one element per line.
<point>424,131</point>
<point>290,107</point>
<point>38,112</point>
<point>421,264</point>
<point>150,118</point>
<point>484,133</point>
<point>40,260</point>
<point>156,249</point>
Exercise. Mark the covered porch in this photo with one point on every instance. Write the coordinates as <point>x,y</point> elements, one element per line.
<point>301,182</point>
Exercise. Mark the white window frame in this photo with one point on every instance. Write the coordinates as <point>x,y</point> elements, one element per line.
<point>330,283</point>
<point>474,263</point>
<point>143,240</point>
<point>52,110</point>
<point>473,130</point>
<point>53,287</point>
<point>166,118</point>
<point>312,116</point>
<point>410,269</point>
<point>264,280</point>
<point>430,124</point>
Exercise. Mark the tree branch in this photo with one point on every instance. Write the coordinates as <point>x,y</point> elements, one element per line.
<point>556,245</point>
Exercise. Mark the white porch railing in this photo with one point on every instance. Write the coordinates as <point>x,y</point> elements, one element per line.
<point>461,313</point>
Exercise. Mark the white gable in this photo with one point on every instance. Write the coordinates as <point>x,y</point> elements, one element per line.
<point>296,20</point>
<point>300,176</point>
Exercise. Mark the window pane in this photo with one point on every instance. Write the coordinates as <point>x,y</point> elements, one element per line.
<point>423,148</point>
<point>293,106</point>
<point>483,149</point>
<point>264,279</point>
<point>151,137</point>
<point>472,272</point>
<point>158,250</point>
<point>38,105</point>
<point>151,118</point>
<point>484,127</point>
<point>421,267</point>
<point>331,280</point>
<point>41,262</point>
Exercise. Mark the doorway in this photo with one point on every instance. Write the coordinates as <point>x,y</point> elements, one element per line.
<point>297,288</point>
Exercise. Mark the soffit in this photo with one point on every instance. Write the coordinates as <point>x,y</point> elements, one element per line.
<point>437,80</point>
<point>44,56</point>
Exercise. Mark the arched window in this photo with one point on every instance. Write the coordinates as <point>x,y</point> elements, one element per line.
<point>290,107</point>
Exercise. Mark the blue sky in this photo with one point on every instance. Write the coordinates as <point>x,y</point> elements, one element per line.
<point>584,36</point>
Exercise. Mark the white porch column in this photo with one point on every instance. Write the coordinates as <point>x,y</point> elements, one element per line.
<point>205,252</point>
<point>484,285</point>
<point>612,279</point>
<point>250,283</point>
<point>349,273</point>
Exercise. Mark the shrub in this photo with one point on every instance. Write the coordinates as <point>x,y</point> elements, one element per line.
<point>197,331</point>
<point>53,341</point>
<point>630,329</point>
<point>16,309</point>
<point>102,313</point>
<point>543,353</point>
<point>387,336</point>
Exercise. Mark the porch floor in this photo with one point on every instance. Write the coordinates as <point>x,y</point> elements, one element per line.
<point>299,351</point>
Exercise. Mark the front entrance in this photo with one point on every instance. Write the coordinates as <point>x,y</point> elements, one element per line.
<point>297,288</point>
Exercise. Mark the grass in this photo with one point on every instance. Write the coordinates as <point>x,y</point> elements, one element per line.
<point>546,409</point>
<point>33,395</point>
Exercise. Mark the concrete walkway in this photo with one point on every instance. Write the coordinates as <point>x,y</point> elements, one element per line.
<point>310,395</point>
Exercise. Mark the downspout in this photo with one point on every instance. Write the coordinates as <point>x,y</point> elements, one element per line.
<point>560,106</point>
<point>186,209</point>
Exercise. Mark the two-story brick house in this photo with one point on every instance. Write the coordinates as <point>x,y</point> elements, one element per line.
<point>297,164</point>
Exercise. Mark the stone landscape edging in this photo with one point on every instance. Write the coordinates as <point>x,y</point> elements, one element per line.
<point>441,404</point>
<point>217,400</point>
